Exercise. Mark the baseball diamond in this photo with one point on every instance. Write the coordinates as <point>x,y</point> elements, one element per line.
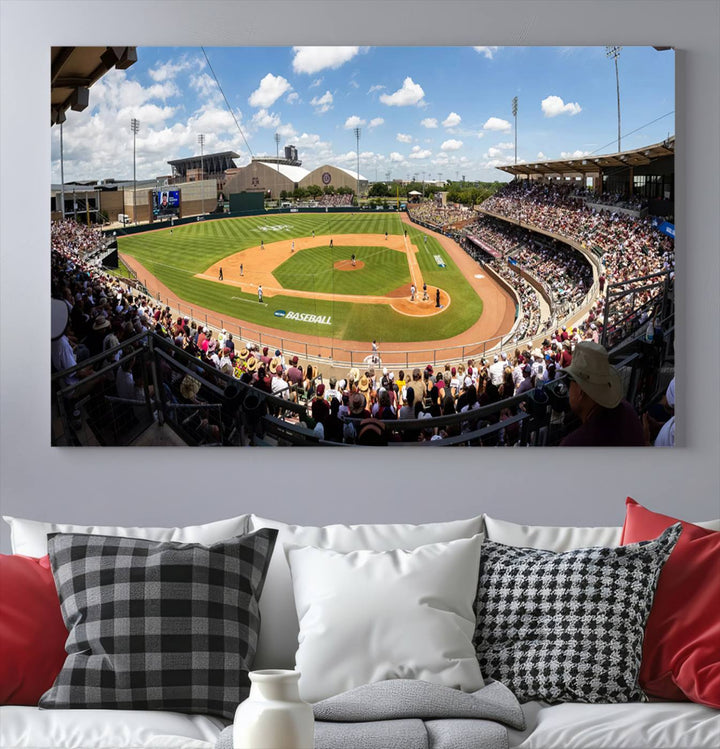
<point>354,291</point>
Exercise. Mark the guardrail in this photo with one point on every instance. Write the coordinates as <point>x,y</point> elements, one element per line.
<point>207,407</point>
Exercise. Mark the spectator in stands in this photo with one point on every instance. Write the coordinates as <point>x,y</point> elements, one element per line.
<point>319,407</point>
<point>333,424</point>
<point>596,398</point>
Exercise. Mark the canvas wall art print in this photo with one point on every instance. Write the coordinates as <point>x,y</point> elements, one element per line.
<point>363,246</point>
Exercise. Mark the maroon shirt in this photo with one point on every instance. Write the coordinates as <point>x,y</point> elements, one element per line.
<point>609,427</point>
<point>295,376</point>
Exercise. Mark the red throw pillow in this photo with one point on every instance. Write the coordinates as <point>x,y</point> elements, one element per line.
<point>32,632</point>
<point>681,650</point>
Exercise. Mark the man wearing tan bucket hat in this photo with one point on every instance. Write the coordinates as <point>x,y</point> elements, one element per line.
<point>596,397</point>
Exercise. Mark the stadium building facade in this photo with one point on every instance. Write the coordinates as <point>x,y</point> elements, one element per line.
<point>272,175</point>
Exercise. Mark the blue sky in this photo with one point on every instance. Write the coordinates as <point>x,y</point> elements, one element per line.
<point>441,111</point>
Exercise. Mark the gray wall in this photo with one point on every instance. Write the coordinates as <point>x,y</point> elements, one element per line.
<point>159,486</point>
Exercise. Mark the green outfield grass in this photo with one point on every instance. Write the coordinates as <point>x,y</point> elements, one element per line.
<point>313,270</point>
<point>175,259</point>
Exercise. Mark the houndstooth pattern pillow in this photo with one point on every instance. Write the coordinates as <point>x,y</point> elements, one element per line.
<point>567,627</point>
<point>157,625</point>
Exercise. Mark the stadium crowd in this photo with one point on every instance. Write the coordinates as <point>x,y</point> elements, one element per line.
<point>437,216</point>
<point>105,312</point>
<point>335,200</point>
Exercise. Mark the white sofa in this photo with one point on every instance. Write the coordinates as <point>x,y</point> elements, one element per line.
<point>651,725</point>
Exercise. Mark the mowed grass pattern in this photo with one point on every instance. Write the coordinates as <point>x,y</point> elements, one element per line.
<point>313,269</point>
<point>175,259</point>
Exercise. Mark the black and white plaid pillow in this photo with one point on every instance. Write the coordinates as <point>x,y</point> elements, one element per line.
<point>158,625</point>
<point>567,627</point>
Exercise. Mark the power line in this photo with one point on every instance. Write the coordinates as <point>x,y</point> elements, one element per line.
<point>652,122</point>
<point>227,103</point>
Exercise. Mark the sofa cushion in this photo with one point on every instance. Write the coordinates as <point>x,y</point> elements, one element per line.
<point>549,537</point>
<point>279,632</point>
<point>29,537</point>
<point>367,616</point>
<point>157,625</point>
<point>681,650</point>
<point>653,725</point>
<point>32,632</point>
<point>568,626</point>
<point>559,537</point>
<point>30,728</point>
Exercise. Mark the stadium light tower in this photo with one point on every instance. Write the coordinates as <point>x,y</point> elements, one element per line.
<point>423,190</point>
<point>614,53</point>
<point>277,159</point>
<point>135,127</point>
<point>356,130</point>
<point>514,111</point>
<point>201,141</point>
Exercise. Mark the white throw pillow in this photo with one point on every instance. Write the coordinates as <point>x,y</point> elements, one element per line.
<point>279,627</point>
<point>367,616</point>
<point>559,538</point>
<point>29,537</point>
<point>549,537</point>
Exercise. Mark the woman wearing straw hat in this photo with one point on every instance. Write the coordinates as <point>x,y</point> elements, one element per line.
<point>596,397</point>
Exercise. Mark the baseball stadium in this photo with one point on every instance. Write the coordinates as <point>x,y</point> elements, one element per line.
<point>211,308</point>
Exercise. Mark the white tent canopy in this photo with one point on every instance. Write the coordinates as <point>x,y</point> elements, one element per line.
<point>414,192</point>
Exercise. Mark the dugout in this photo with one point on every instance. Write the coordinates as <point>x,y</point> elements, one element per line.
<point>247,202</point>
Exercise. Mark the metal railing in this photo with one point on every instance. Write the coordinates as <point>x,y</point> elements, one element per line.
<point>203,406</point>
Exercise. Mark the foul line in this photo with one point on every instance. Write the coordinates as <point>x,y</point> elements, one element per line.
<point>249,301</point>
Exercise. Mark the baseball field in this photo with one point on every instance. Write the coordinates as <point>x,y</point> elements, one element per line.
<point>346,277</point>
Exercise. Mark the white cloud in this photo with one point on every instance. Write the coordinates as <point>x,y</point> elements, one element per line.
<point>410,93</point>
<point>316,83</point>
<point>376,122</point>
<point>481,134</point>
<point>541,155</point>
<point>353,121</point>
<point>451,145</point>
<point>206,87</point>
<point>271,88</point>
<point>286,130</point>
<point>495,123</point>
<point>552,106</point>
<point>292,97</point>
<point>452,120</point>
<point>419,153</point>
<point>493,153</point>
<point>395,156</point>
<point>429,122</point>
<point>376,87</point>
<point>505,144</point>
<point>168,70</point>
<point>487,51</point>
<point>97,143</point>
<point>322,103</point>
<point>354,84</point>
<point>308,140</point>
<point>574,155</point>
<point>345,158</point>
<point>493,163</point>
<point>313,59</point>
<point>263,118</point>
<point>404,138</point>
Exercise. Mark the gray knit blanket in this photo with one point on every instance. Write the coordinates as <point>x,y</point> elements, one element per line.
<point>409,714</point>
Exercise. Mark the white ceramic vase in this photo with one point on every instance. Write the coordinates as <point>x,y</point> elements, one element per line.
<point>274,716</point>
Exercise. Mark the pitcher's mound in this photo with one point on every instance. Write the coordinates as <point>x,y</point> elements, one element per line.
<point>347,265</point>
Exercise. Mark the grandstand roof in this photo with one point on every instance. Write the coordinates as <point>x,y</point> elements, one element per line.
<point>74,69</point>
<point>194,162</point>
<point>592,164</point>
<point>293,173</point>
<point>354,175</point>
